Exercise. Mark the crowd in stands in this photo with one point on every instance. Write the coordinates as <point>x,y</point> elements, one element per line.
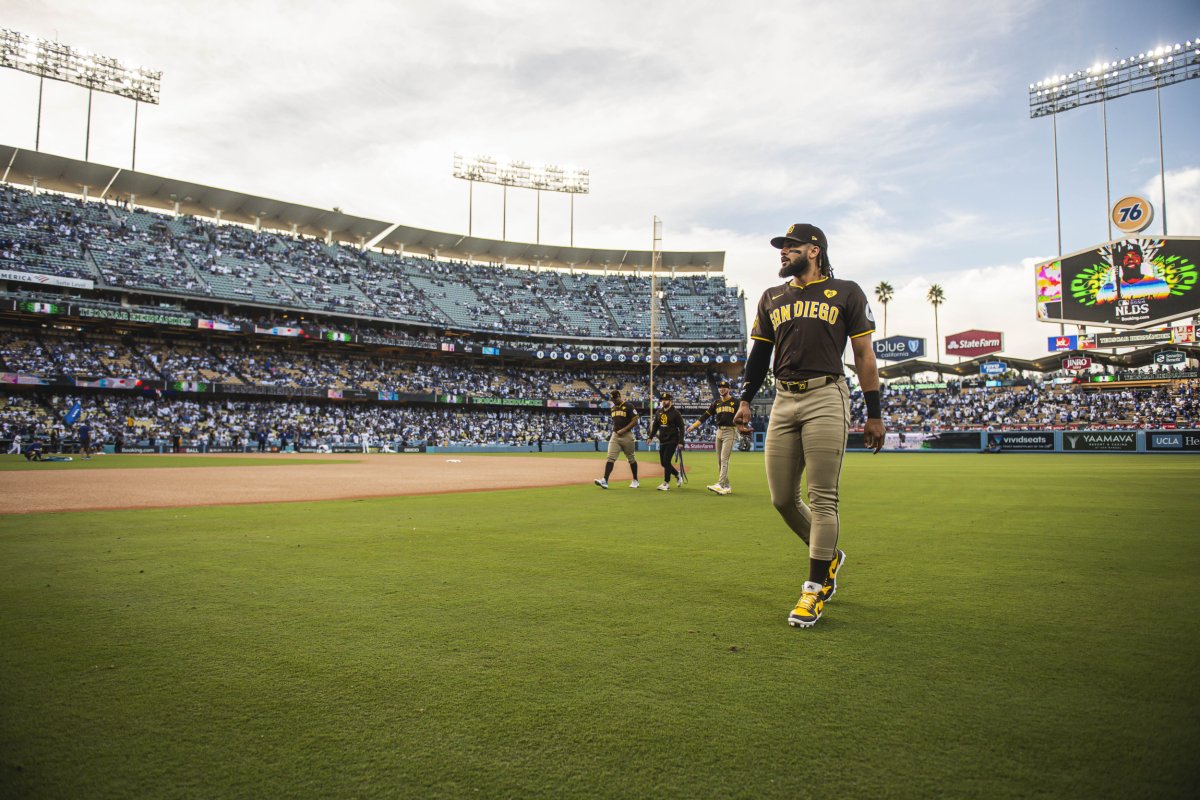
<point>225,423</point>
<point>239,424</point>
<point>1036,405</point>
<point>50,351</point>
<point>120,248</point>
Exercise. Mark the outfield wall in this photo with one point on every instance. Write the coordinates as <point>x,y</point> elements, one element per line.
<point>1180,441</point>
<point>1040,441</point>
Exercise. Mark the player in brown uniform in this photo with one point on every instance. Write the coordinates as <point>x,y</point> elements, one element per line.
<point>807,322</point>
<point>668,426</point>
<point>721,410</point>
<point>622,440</point>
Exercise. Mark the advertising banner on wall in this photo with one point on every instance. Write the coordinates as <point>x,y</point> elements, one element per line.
<point>1169,357</point>
<point>972,343</point>
<point>1061,344</point>
<point>45,280</point>
<point>1133,339</point>
<point>1130,283</point>
<point>1173,441</point>
<point>1100,441</point>
<point>899,348</point>
<point>1023,440</point>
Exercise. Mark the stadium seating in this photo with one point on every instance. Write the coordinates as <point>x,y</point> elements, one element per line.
<point>136,249</point>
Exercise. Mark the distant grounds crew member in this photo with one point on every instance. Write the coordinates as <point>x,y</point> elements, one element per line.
<point>722,410</point>
<point>84,432</point>
<point>668,425</point>
<point>33,450</point>
<point>807,323</point>
<point>622,440</point>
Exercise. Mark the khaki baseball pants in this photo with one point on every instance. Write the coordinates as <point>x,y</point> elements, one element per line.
<point>807,432</point>
<point>625,443</point>
<point>725,441</point>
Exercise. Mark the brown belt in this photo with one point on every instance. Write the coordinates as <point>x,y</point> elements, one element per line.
<point>808,385</point>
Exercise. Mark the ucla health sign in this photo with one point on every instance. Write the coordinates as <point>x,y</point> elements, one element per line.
<point>1177,441</point>
<point>993,368</point>
<point>899,348</point>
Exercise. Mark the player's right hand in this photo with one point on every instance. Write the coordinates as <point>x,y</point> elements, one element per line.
<point>742,417</point>
<point>873,435</point>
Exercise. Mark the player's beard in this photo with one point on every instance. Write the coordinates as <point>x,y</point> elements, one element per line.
<point>793,268</point>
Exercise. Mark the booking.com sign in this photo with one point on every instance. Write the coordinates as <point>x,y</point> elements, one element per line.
<point>899,348</point>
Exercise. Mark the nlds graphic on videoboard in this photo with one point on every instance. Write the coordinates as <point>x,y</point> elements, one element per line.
<point>1130,283</point>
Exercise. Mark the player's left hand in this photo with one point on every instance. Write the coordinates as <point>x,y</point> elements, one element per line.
<point>873,435</point>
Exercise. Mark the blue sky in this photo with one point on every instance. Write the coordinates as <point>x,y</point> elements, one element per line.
<point>901,129</point>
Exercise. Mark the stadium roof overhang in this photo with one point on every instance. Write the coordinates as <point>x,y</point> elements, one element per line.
<point>61,174</point>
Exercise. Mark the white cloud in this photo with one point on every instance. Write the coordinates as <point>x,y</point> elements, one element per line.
<point>1183,201</point>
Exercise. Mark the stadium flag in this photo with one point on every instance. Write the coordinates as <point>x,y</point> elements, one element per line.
<point>73,415</point>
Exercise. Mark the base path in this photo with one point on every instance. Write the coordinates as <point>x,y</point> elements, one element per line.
<point>354,476</point>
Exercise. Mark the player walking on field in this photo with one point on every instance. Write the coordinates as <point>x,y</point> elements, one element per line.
<point>622,440</point>
<point>722,411</point>
<point>668,426</point>
<point>807,322</point>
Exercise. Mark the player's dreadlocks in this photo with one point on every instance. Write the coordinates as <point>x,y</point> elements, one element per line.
<point>825,267</point>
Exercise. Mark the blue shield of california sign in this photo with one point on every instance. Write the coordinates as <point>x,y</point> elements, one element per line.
<point>899,348</point>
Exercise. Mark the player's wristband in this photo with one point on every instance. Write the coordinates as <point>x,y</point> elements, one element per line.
<point>874,411</point>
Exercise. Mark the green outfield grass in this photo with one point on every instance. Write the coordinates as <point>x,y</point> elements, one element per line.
<point>1008,626</point>
<point>149,460</point>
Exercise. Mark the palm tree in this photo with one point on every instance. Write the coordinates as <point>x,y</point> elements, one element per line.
<point>884,294</point>
<point>936,296</point>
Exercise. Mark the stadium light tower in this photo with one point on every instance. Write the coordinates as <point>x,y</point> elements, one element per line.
<point>94,72</point>
<point>522,175</point>
<point>1101,82</point>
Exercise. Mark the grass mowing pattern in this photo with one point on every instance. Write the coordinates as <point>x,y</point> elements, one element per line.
<point>1007,626</point>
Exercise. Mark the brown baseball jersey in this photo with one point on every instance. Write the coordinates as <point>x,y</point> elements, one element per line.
<point>809,325</point>
<point>622,414</point>
<point>722,410</point>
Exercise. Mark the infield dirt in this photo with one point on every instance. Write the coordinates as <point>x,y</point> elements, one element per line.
<point>354,476</point>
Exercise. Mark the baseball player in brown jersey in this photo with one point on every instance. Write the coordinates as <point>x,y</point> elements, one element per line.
<point>807,322</point>
<point>624,420</point>
<point>721,411</point>
<point>668,426</point>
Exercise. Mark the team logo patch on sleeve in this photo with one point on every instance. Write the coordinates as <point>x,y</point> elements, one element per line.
<point>831,292</point>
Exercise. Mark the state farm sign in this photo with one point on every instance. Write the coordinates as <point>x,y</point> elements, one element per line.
<point>974,343</point>
<point>1076,363</point>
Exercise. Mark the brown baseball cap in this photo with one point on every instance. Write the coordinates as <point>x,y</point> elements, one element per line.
<point>802,233</point>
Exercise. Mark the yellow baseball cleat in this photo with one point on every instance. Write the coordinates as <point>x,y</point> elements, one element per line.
<point>808,609</point>
<point>830,587</point>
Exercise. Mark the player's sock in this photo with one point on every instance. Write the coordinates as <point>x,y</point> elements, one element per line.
<point>810,586</point>
<point>608,466</point>
<point>633,468</point>
<point>818,570</point>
